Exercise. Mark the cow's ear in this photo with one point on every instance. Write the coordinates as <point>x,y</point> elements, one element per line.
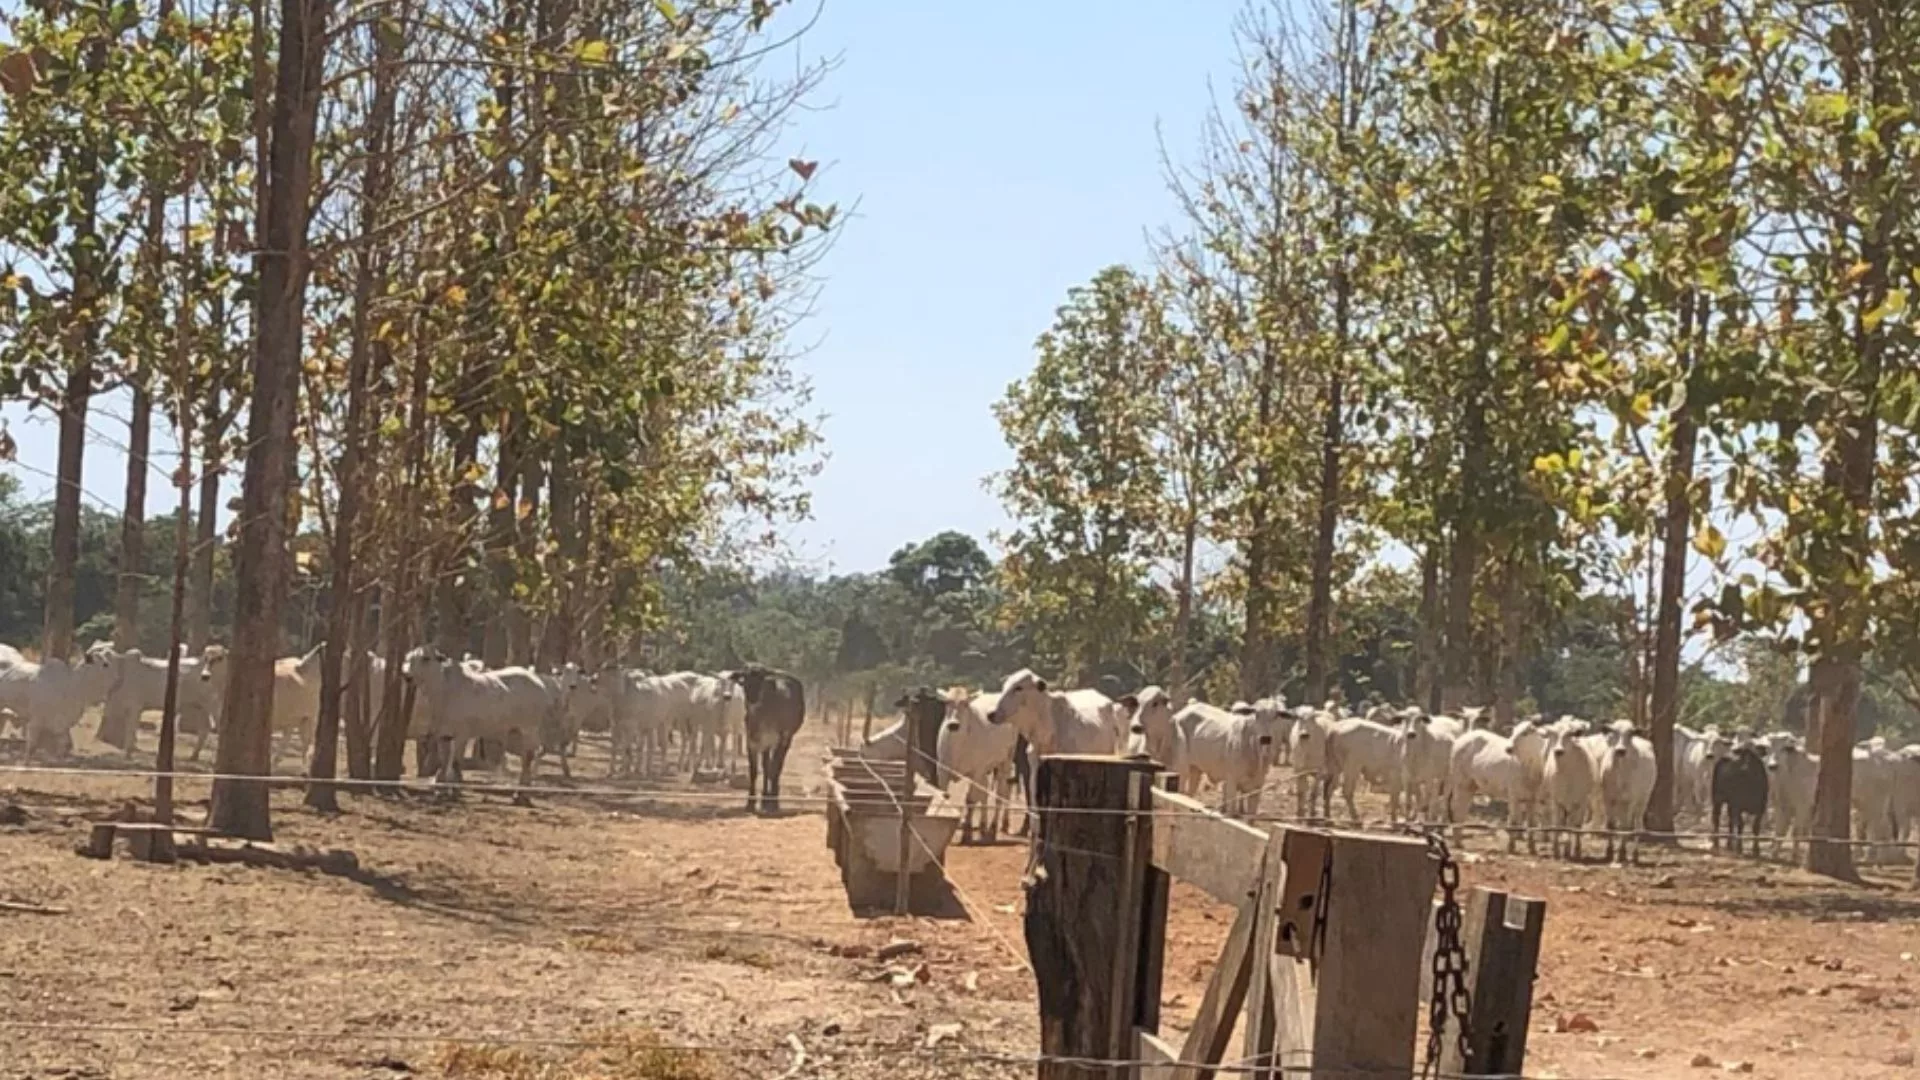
<point>1131,701</point>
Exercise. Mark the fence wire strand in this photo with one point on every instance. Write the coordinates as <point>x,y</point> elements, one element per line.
<point>934,1054</point>
<point>430,786</point>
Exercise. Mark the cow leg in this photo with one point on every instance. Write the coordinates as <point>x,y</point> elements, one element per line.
<point>997,796</point>
<point>753,778</point>
<point>773,774</point>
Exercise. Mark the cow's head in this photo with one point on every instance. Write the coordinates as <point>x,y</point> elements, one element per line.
<point>1525,732</point>
<point>214,656</point>
<point>1620,738</point>
<point>752,680</point>
<point>1558,741</point>
<point>1020,691</point>
<point>421,661</point>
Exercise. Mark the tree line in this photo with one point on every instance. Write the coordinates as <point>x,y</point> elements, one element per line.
<point>479,309</point>
<point>1575,309</point>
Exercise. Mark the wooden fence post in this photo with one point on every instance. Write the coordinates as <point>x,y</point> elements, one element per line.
<point>1086,899</point>
<point>1343,985</point>
<point>1501,937</point>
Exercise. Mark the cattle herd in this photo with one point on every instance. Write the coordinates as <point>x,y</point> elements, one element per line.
<point>1562,778</point>
<point>456,703</point>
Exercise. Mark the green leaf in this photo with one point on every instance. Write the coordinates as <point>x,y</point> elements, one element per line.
<point>667,10</point>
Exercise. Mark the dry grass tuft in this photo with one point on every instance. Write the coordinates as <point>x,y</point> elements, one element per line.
<point>617,1055</point>
<point>734,954</point>
<point>608,944</point>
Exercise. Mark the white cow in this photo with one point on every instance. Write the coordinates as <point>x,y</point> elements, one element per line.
<point>296,691</point>
<point>1150,730</point>
<point>1233,749</point>
<point>1792,776</point>
<point>1424,746</point>
<point>1906,792</point>
<point>1501,767</point>
<point>718,706</point>
<point>138,684</point>
<point>649,707</point>
<point>1054,722</point>
<point>1627,772</point>
<point>1360,749</point>
<point>1568,777</point>
<point>512,706</point>
<point>1307,746</point>
<point>49,697</point>
<point>1875,774</point>
<point>979,753</point>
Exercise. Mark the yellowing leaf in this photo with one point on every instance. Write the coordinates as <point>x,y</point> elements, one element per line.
<point>593,52</point>
<point>1894,304</point>
<point>1641,408</point>
<point>456,295</point>
<point>1549,464</point>
<point>1830,106</point>
<point>1709,542</point>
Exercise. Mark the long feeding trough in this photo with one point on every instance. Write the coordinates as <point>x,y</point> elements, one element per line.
<point>888,829</point>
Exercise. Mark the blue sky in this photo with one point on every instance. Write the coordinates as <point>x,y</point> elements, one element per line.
<point>999,153</point>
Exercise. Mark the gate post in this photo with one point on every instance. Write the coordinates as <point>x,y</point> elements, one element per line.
<point>1087,901</point>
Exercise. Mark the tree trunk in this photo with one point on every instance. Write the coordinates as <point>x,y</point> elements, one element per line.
<point>1835,686</point>
<point>390,749</point>
<point>502,530</point>
<point>1464,552</point>
<point>562,501</point>
<point>133,519</point>
<point>206,535</point>
<point>1183,610</point>
<point>1426,678</point>
<point>343,611</point>
<point>1255,677</point>
<point>1676,527</point>
<point>57,632</point>
<point>454,585</point>
<point>520,636</point>
<point>260,564</point>
<point>1506,696</point>
<point>1332,443</point>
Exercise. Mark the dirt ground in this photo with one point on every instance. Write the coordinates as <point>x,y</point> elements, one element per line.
<point>591,935</point>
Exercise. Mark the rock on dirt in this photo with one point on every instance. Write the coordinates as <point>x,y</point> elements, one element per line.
<point>1575,1024</point>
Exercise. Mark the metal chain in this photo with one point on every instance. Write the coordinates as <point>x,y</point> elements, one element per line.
<point>1449,960</point>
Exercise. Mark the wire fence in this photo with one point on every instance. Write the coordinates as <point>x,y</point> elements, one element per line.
<point>428,786</point>
<point>776,1054</point>
<point>1295,1064</point>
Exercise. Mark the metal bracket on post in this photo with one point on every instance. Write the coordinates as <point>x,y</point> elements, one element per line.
<point>1302,903</point>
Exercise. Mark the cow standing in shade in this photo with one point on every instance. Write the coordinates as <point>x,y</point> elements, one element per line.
<point>776,707</point>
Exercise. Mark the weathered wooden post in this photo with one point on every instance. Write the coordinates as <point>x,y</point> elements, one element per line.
<point>1501,938</point>
<point>1087,889</point>
<point>1350,923</point>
